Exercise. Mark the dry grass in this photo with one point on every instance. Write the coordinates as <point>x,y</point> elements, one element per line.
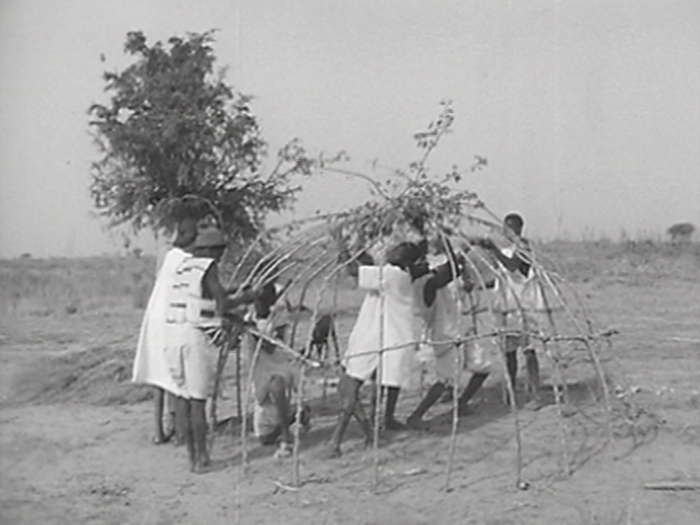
<point>57,287</point>
<point>99,293</point>
<point>623,262</point>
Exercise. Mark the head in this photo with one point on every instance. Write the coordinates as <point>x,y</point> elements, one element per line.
<point>186,232</point>
<point>404,254</point>
<point>514,223</point>
<point>210,242</point>
<point>266,300</point>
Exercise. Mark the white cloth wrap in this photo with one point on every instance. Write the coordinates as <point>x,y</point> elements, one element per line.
<point>150,363</point>
<point>385,323</point>
<point>190,355</point>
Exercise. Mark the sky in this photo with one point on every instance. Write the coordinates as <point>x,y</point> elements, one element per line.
<point>588,111</point>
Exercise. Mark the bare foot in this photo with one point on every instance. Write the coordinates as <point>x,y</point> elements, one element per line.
<point>161,439</point>
<point>534,405</point>
<point>568,410</point>
<point>199,468</point>
<point>415,423</point>
<point>330,452</point>
<point>392,424</point>
<point>284,451</point>
<point>464,410</point>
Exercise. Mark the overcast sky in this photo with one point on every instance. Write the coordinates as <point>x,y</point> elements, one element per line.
<point>588,111</point>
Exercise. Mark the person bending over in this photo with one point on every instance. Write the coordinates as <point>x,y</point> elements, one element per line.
<point>440,313</point>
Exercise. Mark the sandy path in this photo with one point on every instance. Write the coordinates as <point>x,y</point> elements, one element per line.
<point>77,463</point>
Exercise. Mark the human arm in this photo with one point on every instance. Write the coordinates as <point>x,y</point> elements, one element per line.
<point>225,300</point>
<point>512,263</point>
<point>444,274</point>
<point>211,288</point>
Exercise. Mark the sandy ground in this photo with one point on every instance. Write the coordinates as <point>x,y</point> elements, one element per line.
<point>68,461</point>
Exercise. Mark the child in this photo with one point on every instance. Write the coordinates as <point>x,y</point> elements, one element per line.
<point>517,297</point>
<point>385,321</point>
<point>441,317</point>
<point>275,376</point>
<point>198,302</point>
<point>150,365</point>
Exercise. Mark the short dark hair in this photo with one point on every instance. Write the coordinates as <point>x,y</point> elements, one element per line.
<point>186,232</point>
<point>405,252</point>
<point>515,217</point>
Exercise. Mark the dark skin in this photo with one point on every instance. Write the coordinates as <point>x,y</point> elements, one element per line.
<point>277,388</point>
<point>442,276</point>
<point>186,234</point>
<point>404,257</point>
<point>513,227</point>
<point>513,230</point>
<point>190,413</point>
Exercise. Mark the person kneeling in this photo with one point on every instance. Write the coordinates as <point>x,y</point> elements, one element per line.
<point>274,415</point>
<point>275,376</point>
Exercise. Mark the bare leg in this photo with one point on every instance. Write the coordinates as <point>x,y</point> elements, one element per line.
<point>533,379</point>
<point>184,422</point>
<point>174,429</point>
<point>159,436</point>
<point>348,390</point>
<point>361,417</point>
<point>512,366</point>
<point>199,433</point>
<point>277,390</point>
<point>415,419</point>
<point>392,397</point>
<point>475,382</point>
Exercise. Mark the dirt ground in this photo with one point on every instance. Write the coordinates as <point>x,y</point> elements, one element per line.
<point>77,450</point>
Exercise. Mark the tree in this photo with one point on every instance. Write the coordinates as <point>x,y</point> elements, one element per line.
<point>176,139</point>
<point>681,232</point>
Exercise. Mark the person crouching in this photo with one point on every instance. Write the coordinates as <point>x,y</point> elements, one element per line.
<point>275,378</point>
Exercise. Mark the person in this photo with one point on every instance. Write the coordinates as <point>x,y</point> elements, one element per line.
<point>150,366</point>
<point>440,314</point>
<point>517,296</point>
<point>385,321</point>
<point>275,377</point>
<point>198,302</point>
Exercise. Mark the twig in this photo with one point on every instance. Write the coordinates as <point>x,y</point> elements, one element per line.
<point>673,485</point>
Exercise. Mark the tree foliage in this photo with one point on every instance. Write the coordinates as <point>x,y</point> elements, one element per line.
<point>411,200</point>
<point>176,139</point>
<point>681,231</point>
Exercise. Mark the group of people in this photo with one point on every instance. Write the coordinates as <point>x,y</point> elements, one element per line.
<point>384,337</point>
<point>174,352</point>
<point>406,300</point>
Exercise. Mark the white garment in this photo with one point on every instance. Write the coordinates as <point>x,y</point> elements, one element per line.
<point>150,364</point>
<point>442,324</point>
<point>266,417</point>
<point>516,293</point>
<point>190,355</point>
<point>385,322</point>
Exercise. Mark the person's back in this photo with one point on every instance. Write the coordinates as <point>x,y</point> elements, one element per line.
<point>150,362</point>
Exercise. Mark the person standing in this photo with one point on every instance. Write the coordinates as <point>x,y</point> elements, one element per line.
<point>382,341</point>
<point>198,303</point>
<point>150,366</point>
<point>517,297</point>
